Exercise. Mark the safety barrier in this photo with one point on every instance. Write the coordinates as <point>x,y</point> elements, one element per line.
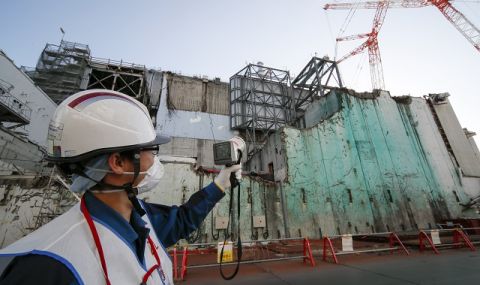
<point>347,244</point>
<point>473,234</point>
<point>254,251</point>
<point>175,263</point>
<point>434,240</point>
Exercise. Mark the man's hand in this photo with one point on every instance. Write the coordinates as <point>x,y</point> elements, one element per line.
<point>223,178</point>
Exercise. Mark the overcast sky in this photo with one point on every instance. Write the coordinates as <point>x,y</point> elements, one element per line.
<point>421,51</point>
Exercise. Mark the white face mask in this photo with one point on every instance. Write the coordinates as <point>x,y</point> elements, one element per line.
<point>152,176</point>
<point>151,179</point>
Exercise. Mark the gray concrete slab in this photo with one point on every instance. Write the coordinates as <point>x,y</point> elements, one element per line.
<point>450,267</point>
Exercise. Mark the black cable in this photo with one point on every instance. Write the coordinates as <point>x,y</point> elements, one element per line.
<point>239,240</point>
<point>234,183</point>
<point>194,236</point>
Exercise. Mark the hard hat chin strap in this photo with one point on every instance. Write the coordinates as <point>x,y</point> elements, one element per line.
<point>128,187</point>
<point>131,191</point>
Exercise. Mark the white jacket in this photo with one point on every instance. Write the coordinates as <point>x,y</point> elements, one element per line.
<point>68,239</point>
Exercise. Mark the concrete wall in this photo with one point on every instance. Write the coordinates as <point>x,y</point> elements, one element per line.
<point>199,149</point>
<point>18,208</point>
<point>26,91</point>
<point>181,180</point>
<point>189,124</point>
<point>376,165</point>
<point>195,94</point>
<point>470,136</point>
<point>19,155</point>
<point>465,155</point>
<point>272,154</point>
<point>321,109</point>
<point>154,82</point>
<point>445,176</point>
<point>471,186</point>
<point>22,204</point>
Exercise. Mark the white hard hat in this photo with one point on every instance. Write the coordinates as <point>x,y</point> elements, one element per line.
<point>98,121</point>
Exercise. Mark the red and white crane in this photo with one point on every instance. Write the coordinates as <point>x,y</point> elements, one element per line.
<point>460,22</point>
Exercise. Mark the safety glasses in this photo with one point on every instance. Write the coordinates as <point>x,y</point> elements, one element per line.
<point>153,149</point>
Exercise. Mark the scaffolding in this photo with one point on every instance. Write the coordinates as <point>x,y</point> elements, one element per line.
<point>65,69</point>
<point>260,101</point>
<point>60,69</point>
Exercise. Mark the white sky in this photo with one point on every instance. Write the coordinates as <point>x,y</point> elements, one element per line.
<point>421,51</point>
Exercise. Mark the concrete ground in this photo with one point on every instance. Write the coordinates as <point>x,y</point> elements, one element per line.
<point>449,267</point>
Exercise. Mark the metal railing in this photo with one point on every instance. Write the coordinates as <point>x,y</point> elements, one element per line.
<point>394,243</point>
<point>14,105</point>
<point>254,251</point>
<point>434,240</point>
<point>119,63</point>
<point>472,232</point>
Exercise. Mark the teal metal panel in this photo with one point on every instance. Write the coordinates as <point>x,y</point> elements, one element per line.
<point>373,165</point>
<point>364,169</point>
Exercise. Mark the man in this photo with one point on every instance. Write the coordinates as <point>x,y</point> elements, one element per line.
<point>107,141</point>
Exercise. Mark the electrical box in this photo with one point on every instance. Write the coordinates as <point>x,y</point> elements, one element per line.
<point>259,221</point>
<point>221,223</point>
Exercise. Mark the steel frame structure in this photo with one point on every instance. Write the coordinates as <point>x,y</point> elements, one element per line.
<point>60,69</point>
<point>68,68</point>
<point>260,101</point>
<point>128,78</point>
<point>263,99</point>
<point>317,78</point>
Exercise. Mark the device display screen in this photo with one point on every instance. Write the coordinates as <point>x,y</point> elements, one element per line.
<point>222,151</point>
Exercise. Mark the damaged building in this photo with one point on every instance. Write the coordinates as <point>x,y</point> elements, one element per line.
<point>322,159</point>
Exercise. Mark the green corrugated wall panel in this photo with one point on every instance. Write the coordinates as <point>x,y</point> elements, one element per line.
<point>363,144</point>
<point>370,141</point>
<point>370,148</point>
<point>388,156</point>
<point>405,172</point>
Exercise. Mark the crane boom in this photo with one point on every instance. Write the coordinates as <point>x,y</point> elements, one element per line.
<point>371,44</point>
<point>375,4</point>
<point>459,21</point>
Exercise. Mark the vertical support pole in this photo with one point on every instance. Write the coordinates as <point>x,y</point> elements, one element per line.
<point>307,252</point>
<point>391,242</point>
<point>423,235</point>
<point>395,237</point>
<point>466,239</point>
<point>327,244</point>
<point>175,263</point>
<point>184,263</point>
